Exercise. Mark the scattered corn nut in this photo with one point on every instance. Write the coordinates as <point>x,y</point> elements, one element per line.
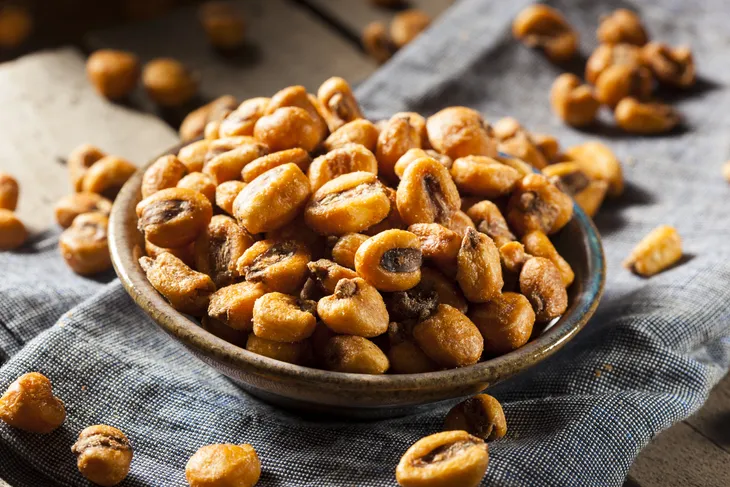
<point>103,455</point>
<point>620,81</point>
<point>543,27</point>
<point>621,26</point>
<point>481,416</point>
<point>376,42</point>
<point>671,66</point>
<point>29,405</point>
<point>607,55</point>
<point>9,190</point>
<point>75,204</point>
<point>13,233</point>
<point>645,118</point>
<point>84,245</point>
<point>444,459</point>
<point>79,162</point>
<point>572,101</point>
<point>660,249</point>
<point>406,26</point>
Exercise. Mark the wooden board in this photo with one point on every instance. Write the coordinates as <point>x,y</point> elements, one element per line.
<point>286,45</point>
<point>354,15</point>
<point>692,453</point>
<point>48,108</point>
<point>681,457</point>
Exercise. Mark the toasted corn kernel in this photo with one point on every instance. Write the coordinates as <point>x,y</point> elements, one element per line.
<point>645,118</point>
<point>607,55</point>
<point>187,291</point>
<point>481,416</point>
<point>621,26</point>
<point>257,167</point>
<point>9,190</point>
<point>241,121</point>
<point>349,203</point>
<point>402,132</point>
<point>541,283</point>
<point>375,39</point>
<point>273,199</point>
<point>344,250</point>
<point>280,265</point>
<point>483,176</point>
<point>407,25</point>
<point>225,194</point>
<point>85,246</point>
<point>427,194</point>
<point>233,305</point>
<point>489,220</point>
<point>449,338</point>
<point>597,161</point>
<point>202,183</point>
<point>539,245</point>
<point>671,66</point>
<point>460,132</point>
<point>359,131</point>
<point>75,204</point>
<point>293,353</point>
<point>574,102</point>
<point>537,204</point>
<point>390,260</point>
<point>327,274</point>
<point>288,128</point>
<point>339,103</point>
<point>219,247</point>
<point>659,250</point>
<point>164,173</point>
<point>505,322</point>
<point>107,176</point>
<point>354,355</point>
<point>173,217</point>
<point>619,81</point>
<point>283,318</point>
<point>29,405</point>
<point>479,272</point>
<point>346,159</point>
<point>355,308</point>
<point>543,27</point>
<point>79,162</point>
<point>193,155</point>
<point>444,459</point>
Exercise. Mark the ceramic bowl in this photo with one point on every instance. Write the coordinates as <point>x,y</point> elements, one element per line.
<point>367,396</point>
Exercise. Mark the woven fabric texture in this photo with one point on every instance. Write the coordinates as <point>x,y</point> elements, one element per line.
<point>646,360</point>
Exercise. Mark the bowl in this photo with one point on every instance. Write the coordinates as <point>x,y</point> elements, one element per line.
<point>316,391</point>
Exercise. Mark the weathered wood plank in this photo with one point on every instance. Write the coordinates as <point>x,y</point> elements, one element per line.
<point>286,45</point>
<point>680,457</point>
<point>48,108</point>
<point>713,420</point>
<point>356,14</point>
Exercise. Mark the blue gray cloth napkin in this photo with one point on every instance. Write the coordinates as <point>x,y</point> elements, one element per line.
<point>646,360</point>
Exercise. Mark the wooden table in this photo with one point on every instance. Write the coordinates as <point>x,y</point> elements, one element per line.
<point>48,108</point>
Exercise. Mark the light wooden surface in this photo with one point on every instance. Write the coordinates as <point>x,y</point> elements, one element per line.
<point>286,45</point>
<point>48,108</point>
<point>692,453</point>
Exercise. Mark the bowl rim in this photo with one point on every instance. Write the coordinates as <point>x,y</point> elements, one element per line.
<point>193,336</point>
